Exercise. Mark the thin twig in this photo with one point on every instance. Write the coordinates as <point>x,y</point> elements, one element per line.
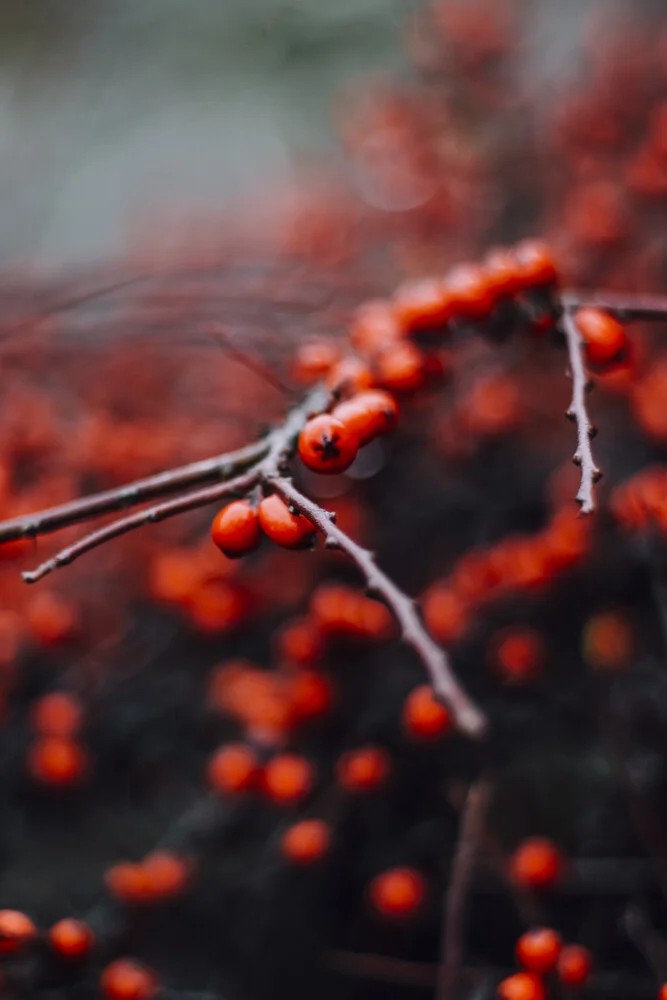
<point>223,466</point>
<point>275,449</point>
<point>578,412</point>
<point>470,836</point>
<point>621,305</point>
<point>469,718</point>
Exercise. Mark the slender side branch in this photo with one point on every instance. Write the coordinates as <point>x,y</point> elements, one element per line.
<point>160,512</point>
<point>469,718</point>
<point>471,832</point>
<point>55,518</point>
<point>275,449</point>
<point>578,412</point>
<point>623,307</point>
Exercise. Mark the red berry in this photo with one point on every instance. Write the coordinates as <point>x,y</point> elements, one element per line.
<point>574,965</point>
<point>538,949</point>
<point>424,717</point>
<point>521,986</point>
<point>518,654</point>
<point>235,529</point>
<point>363,770</point>
<point>165,873</point>
<point>535,264</point>
<point>327,445</point>
<point>127,881</point>
<point>421,304</point>
<point>288,778</point>
<point>604,337</point>
<point>398,892</point>
<point>233,768</point>
<point>292,531</point>
<point>71,938</point>
<point>16,931</point>
<point>300,643</point>
<point>56,760</point>
<point>126,979</point>
<point>306,841</point>
<point>537,863</point>
<point>401,368</point>
<point>57,714</point>
<point>502,273</point>
<point>310,695</point>
<point>368,414</point>
<point>469,292</point>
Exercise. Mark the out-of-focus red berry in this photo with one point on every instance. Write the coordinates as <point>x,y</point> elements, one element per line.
<point>57,761</point>
<point>16,931</point>
<point>397,893</point>
<point>363,770</point>
<point>521,986</point>
<point>536,863</point>
<point>538,949</point>
<point>306,842</point>
<point>233,768</point>
<point>604,337</point>
<point>71,939</point>
<point>575,964</point>
<point>126,979</point>
<point>58,713</point>
<point>424,717</point>
<point>288,778</point>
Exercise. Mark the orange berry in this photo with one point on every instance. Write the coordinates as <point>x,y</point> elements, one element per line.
<point>327,445</point>
<point>421,304</point>
<point>350,375</point>
<point>374,327</point>
<point>233,768</point>
<point>521,986</point>
<point>300,642</point>
<point>535,264</point>
<point>165,874</point>
<point>56,760</point>
<point>537,862</point>
<point>608,641</point>
<point>314,359</point>
<point>662,992</point>
<point>127,882</point>
<point>368,414</point>
<point>502,273</point>
<point>517,653</point>
<point>288,778</point>
<point>71,938</point>
<point>574,965</point>
<point>310,695</point>
<point>401,368</point>
<point>292,531</point>
<point>16,931</point>
<point>50,618</point>
<point>538,949</point>
<point>126,979</point>
<point>343,611</point>
<point>445,613</point>
<point>57,714</point>
<point>424,717</point>
<point>363,770</point>
<point>468,292</point>
<point>235,529</point>
<point>398,892</point>
<point>306,841</point>
<point>604,337</point>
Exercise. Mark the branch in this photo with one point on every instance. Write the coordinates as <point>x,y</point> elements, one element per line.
<point>583,456</point>
<point>469,718</point>
<point>55,518</point>
<point>470,835</point>
<point>276,447</point>
<point>622,306</point>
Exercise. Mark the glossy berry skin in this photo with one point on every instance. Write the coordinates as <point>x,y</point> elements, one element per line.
<point>306,842</point>
<point>368,414</point>
<point>126,979</point>
<point>291,531</point>
<point>521,986</point>
<point>397,893</point>
<point>327,445</point>
<point>16,931</point>
<point>362,771</point>
<point>536,863</point>
<point>424,717</point>
<point>233,768</point>
<point>535,265</point>
<point>574,965</point>
<point>604,337</point>
<point>469,292</point>
<point>538,949</point>
<point>235,529</point>
<point>288,778</point>
<point>71,939</point>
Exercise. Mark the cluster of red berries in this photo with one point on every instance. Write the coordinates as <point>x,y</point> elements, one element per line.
<point>540,952</point>
<point>641,502</point>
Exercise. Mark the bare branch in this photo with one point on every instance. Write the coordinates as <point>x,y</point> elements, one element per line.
<point>583,456</point>
<point>468,717</point>
<point>470,836</point>
<point>621,305</point>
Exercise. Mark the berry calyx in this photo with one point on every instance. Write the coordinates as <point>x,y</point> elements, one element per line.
<point>306,842</point>
<point>235,529</point>
<point>397,893</point>
<point>424,717</point>
<point>71,939</point>
<point>538,949</point>
<point>291,531</point>
<point>327,445</point>
<point>604,337</point>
